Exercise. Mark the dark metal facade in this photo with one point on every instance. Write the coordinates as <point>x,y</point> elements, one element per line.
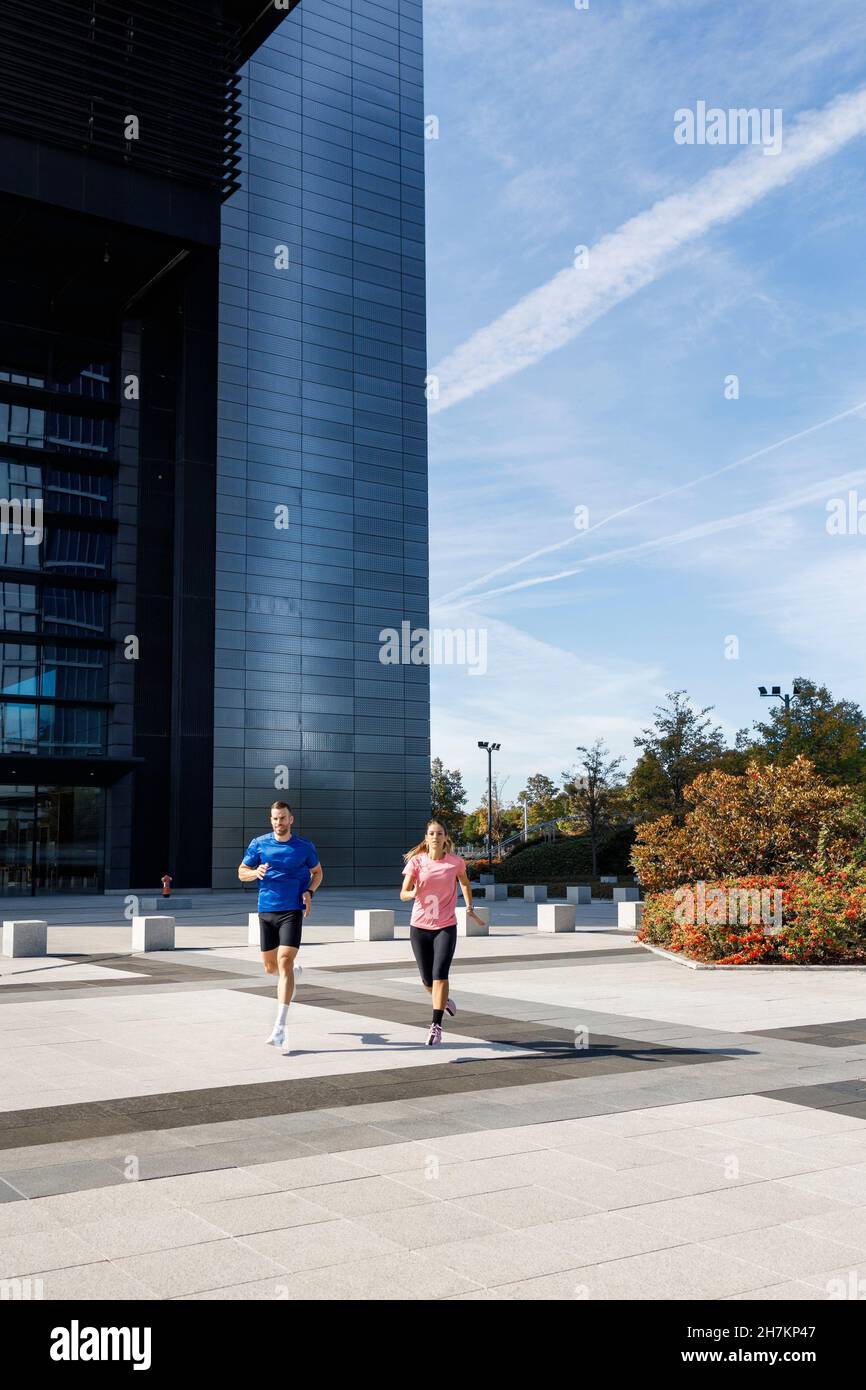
<point>323,414</point>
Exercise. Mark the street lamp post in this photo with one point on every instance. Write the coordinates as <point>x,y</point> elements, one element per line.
<point>775,693</point>
<point>491,749</point>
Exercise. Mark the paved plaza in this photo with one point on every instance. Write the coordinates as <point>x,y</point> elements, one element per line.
<point>601,1123</point>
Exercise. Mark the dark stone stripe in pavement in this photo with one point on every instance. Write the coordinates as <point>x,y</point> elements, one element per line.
<point>173,1110</point>
<point>141,970</point>
<point>847,1033</point>
<point>462,963</point>
<point>844,1097</point>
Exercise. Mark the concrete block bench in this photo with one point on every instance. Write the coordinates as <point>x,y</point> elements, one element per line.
<point>25,938</point>
<point>626,895</point>
<point>556,917</point>
<point>374,924</point>
<point>467,927</point>
<point>629,914</point>
<point>161,904</point>
<point>535,892</point>
<point>579,893</point>
<point>153,933</point>
<point>254,937</point>
<point>494,892</point>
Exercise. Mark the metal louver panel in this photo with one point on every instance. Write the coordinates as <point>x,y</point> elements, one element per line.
<point>71,72</point>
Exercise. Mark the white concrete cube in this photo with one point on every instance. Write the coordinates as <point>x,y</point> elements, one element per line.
<point>609,878</point>
<point>25,938</point>
<point>495,892</point>
<point>554,917</point>
<point>254,937</point>
<point>374,924</point>
<point>535,892</point>
<point>629,915</point>
<point>153,933</point>
<point>466,926</point>
<point>626,895</point>
<point>579,893</point>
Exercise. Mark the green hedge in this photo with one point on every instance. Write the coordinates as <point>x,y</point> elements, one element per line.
<point>567,861</point>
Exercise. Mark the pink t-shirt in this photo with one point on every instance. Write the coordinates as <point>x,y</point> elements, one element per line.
<point>436,902</point>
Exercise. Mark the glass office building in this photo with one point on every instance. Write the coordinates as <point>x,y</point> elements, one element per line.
<point>321,528</point>
<point>212,368</point>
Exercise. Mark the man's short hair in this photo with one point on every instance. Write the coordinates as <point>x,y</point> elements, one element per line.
<point>282,806</point>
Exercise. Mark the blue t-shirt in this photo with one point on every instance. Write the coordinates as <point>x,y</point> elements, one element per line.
<point>289,863</point>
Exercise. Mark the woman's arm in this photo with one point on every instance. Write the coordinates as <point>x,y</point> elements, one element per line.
<point>466,890</point>
<point>410,888</point>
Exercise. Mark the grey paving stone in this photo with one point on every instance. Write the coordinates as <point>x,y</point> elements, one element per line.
<point>305,1122</point>
<point>9,1194</point>
<point>124,1199</point>
<point>63,1177</point>
<point>271,1211</point>
<point>101,1281</point>
<point>426,1127</point>
<point>186,1189</point>
<point>843,1184</point>
<point>115,1237</point>
<point>680,1272</point>
<point>342,1137</point>
<point>324,1244</point>
<point>794,1292</point>
<point>603,1236</point>
<point>428,1224</point>
<point>363,1195</point>
<point>196,1268</point>
<point>396,1278</point>
<point>844,1223</point>
<point>198,1158</point>
<point>520,1207</point>
<point>17,1218</point>
<point>35,1251</point>
<point>295,1173</point>
<point>499,1259</point>
<point>787,1251</point>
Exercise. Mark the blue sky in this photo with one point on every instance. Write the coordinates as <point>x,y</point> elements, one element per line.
<point>604,387</point>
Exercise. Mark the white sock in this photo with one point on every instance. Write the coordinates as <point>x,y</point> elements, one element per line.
<point>282,1015</point>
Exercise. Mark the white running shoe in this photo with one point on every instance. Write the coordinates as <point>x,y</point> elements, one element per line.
<point>278,1036</point>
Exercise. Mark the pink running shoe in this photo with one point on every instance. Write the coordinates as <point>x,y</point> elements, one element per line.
<point>450,1007</point>
<point>434,1037</point>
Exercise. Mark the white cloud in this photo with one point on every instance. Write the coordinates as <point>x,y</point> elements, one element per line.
<point>638,252</point>
<point>538,701</point>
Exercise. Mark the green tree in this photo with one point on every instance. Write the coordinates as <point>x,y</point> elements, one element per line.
<point>542,797</point>
<point>593,791</point>
<point>680,744</point>
<point>830,733</point>
<point>447,796</point>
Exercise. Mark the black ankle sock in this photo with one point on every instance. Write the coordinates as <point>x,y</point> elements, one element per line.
<point>437,1016</point>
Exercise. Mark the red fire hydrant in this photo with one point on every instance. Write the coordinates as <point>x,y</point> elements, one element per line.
<point>166,885</point>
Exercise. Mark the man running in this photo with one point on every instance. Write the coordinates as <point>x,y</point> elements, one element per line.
<point>288,869</point>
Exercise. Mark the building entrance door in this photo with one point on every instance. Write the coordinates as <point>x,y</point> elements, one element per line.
<point>17,823</point>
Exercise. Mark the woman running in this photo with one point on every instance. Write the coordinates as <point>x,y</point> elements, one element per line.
<point>430,881</point>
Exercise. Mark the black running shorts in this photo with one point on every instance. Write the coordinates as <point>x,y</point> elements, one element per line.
<point>433,949</point>
<point>280,929</point>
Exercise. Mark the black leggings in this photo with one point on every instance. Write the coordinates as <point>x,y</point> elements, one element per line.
<point>433,949</point>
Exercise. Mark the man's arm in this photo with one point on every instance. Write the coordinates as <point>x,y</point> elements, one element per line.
<point>248,873</point>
